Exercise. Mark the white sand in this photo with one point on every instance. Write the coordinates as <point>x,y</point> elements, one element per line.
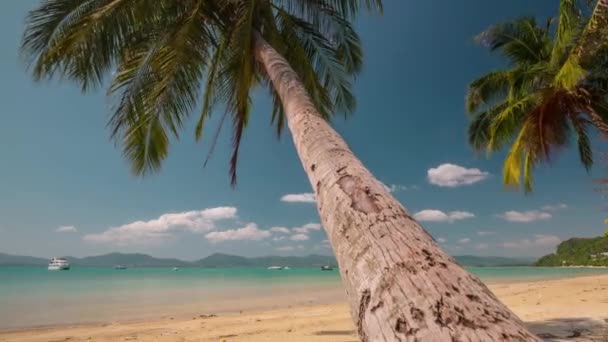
<point>572,309</point>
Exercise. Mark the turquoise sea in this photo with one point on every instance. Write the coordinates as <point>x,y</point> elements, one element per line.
<point>34,296</point>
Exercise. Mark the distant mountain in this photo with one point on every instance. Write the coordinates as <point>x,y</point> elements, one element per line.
<point>136,259</point>
<point>219,260</point>
<point>490,261</point>
<point>578,252</point>
<point>18,260</point>
<point>225,260</point>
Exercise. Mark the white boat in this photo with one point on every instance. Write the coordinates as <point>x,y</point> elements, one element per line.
<point>59,264</point>
<point>326,268</point>
<point>275,268</point>
<point>176,268</point>
<point>286,268</point>
<point>120,267</point>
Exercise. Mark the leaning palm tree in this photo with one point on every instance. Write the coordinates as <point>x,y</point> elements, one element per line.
<point>166,57</point>
<point>555,87</point>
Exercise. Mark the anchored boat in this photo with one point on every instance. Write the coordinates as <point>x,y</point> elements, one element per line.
<point>59,264</point>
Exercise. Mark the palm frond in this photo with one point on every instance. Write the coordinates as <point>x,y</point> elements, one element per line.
<point>162,52</point>
<point>486,89</point>
<point>311,9</point>
<point>570,74</point>
<point>509,120</point>
<point>209,93</point>
<point>521,40</point>
<point>598,116</point>
<point>241,77</point>
<point>513,162</point>
<point>529,163</point>
<point>479,128</point>
<point>584,144</point>
<point>324,57</point>
<point>568,28</point>
<point>594,33</point>
<point>157,85</point>
<point>82,40</point>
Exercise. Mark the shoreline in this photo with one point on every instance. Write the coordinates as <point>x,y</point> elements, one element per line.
<point>234,303</point>
<point>542,304</point>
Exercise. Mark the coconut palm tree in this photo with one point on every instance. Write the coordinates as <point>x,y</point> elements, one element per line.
<point>167,56</point>
<point>554,88</point>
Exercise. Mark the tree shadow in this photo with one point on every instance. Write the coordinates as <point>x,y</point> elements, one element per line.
<point>334,332</point>
<point>571,329</point>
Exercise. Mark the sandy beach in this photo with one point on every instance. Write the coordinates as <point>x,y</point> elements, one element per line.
<point>574,309</point>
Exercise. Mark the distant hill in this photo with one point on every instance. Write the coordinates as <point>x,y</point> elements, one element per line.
<point>18,260</point>
<point>578,252</point>
<point>219,260</point>
<point>136,259</point>
<point>490,261</point>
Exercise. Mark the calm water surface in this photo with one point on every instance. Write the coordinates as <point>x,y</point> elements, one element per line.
<point>34,296</point>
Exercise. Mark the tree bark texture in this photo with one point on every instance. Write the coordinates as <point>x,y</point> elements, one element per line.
<point>400,284</point>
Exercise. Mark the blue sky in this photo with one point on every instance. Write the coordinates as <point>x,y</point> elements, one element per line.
<point>58,168</point>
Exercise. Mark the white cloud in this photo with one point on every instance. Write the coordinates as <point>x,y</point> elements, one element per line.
<point>394,187</point>
<point>451,176</point>
<point>281,230</point>
<point>539,240</point>
<point>278,238</point>
<point>307,228</point>
<point>465,240</point>
<point>299,198</point>
<point>556,207</point>
<point>249,232</point>
<point>481,246</point>
<point>299,237</point>
<point>285,249</point>
<point>433,215</point>
<point>485,233</point>
<point>525,216</point>
<point>157,230</point>
<point>300,247</point>
<point>441,240</point>
<point>67,229</point>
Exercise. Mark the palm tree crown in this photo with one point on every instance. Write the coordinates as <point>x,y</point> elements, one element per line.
<point>167,57</point>
<point>555,87</point>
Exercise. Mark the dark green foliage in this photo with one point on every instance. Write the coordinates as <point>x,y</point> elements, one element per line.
<point>166,57</point>
<point>553,92</point>
<point>578,252</point>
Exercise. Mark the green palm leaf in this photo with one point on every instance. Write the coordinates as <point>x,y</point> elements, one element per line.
<point>554,81</point>
<point>168,57</point>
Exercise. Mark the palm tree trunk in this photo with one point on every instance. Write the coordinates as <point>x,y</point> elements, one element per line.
<point>400,284</point>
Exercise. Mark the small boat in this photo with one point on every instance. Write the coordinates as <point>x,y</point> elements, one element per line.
<point>286,268</point>
<point>275,268</point>
<point>327,268</point>
<point>176,268</point>
<point>120,267</point>
<point>59,264</point>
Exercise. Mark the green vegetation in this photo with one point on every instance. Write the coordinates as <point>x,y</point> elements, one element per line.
<point>553,91</point>
<point>578,252</point>
<point>166,56</point>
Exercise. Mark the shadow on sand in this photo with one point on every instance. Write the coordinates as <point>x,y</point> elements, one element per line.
<point>571,329</point>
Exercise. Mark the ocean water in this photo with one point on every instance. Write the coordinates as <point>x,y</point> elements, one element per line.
<point>34,296</point>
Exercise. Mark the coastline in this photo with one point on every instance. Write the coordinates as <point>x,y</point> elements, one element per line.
<point>555,308</point>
